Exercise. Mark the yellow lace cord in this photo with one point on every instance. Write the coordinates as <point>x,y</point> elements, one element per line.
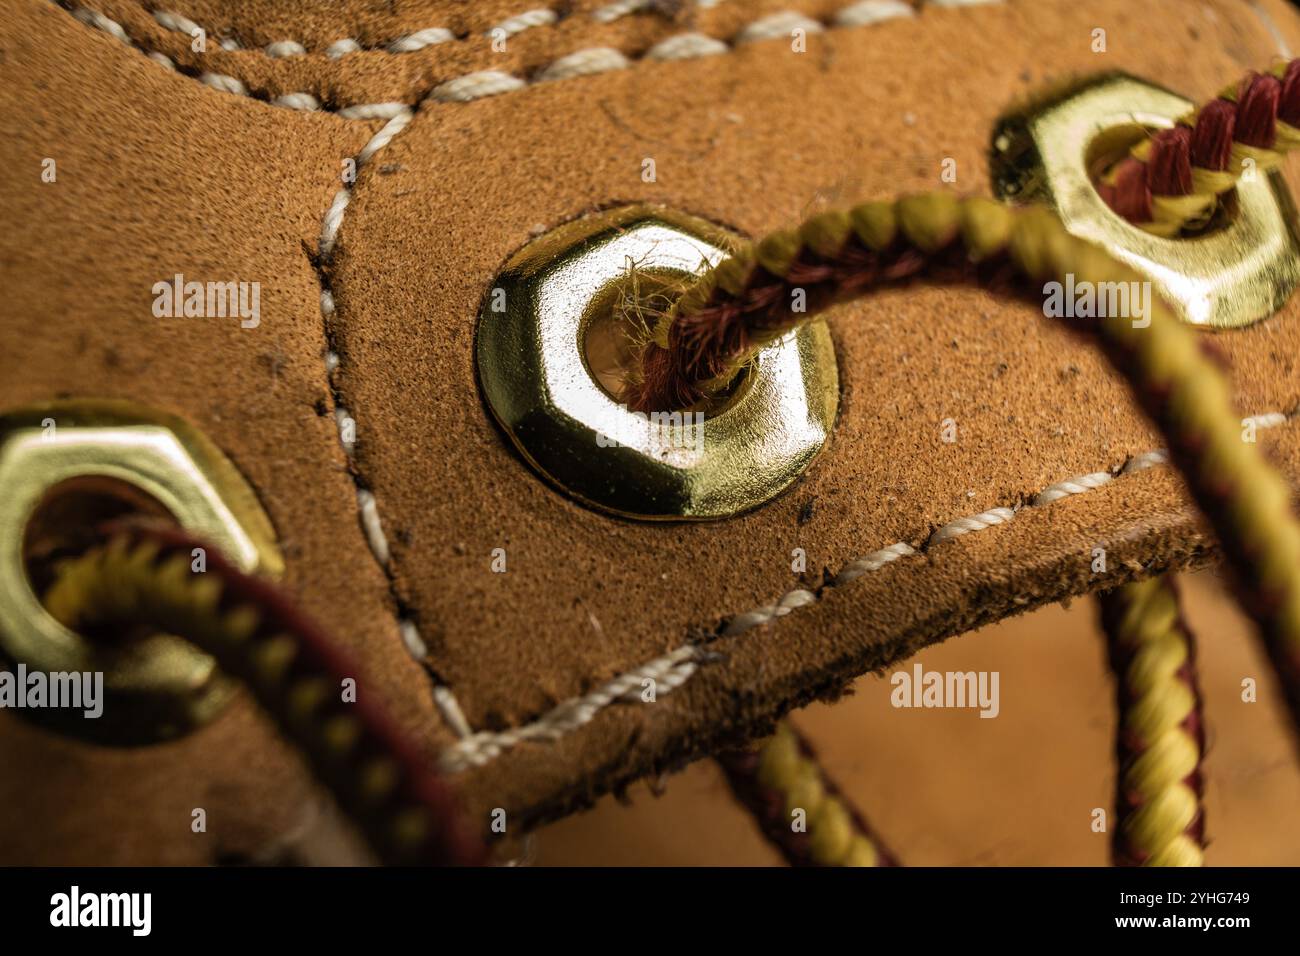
<point>798,807</point>
<point>840,255</point>
<point>1170,214</point>
<point>143,576</point>
<point>1160,737</point>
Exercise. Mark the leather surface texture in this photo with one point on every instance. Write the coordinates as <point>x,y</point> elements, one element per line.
<point>160,171</point>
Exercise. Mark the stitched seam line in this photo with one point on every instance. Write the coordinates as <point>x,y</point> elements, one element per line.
<point>218,81</point>
<point>673,669</point>
<point>397,117</point>
<point>585,62</point>
<point>406,43</point>
<point>417,39</point>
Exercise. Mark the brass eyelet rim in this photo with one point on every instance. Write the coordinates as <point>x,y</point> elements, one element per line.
<point>1229,278</point>
<point>159,687</point>
<point>665,466</point>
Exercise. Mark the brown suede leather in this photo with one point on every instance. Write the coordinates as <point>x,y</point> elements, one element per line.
<point>160,174</point>
<point>182,184</point>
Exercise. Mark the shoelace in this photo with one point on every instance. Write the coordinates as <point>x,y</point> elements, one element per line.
<point>1159,746</point>
<point>697,347</point>
<point>143,575</point>
<point>1160,740</point>
<point>718,324</point>
<point>781,779</point>
<point>1174,179</point>
<point>736,309</point>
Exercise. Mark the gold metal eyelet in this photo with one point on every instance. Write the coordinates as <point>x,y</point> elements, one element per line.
<point>536,370</point>
<point>56,458</point>
<point>1239,271</point>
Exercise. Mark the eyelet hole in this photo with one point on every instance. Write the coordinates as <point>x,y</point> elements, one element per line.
<point>618,321</point>
<point>1110,146</point>
<point>66,521</point>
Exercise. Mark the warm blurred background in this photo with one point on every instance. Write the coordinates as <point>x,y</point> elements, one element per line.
<point>947,788</point>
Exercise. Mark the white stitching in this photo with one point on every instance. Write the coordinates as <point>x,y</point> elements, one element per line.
<point>218,81</point>
<point>477,749</point>
<point>976,522</point>
<point>1148,459</point>
<point>342,48</point>
<point>596,59</point>
<point>397,117</point>
<point>297,101</point>
<point>687,46</point>
<point>333,220</point>
<point>474,86</point>
<point>418,40</point>
<point>100,22</point>
<point>421,39</point>
<point>177,23</point>
<point>525,21</point>
<point>1267,420</point>
<point>227,84</point>
<point>1073,486</point>
<point>769,612</point>
<point>448,705</point>
<point>668,673</point>
<point>778,25</point>
<point>673,669</point>
<point>872,562</point>
<point>585,62</point>
<point>370,523</point>
<point>622,8</point>
<point>402,115</point>
<point>282,49</point>
<point>868,12</point>
<point>374,111</point>
<point>618,9</point>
